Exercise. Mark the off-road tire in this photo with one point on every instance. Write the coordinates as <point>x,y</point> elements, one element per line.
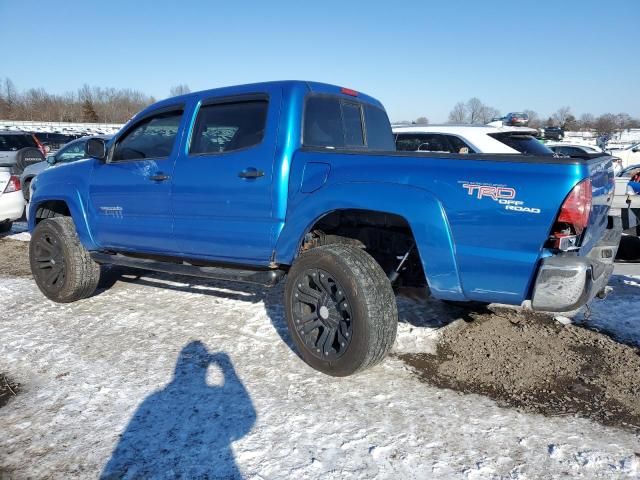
<point>366,289</point>
<point>5,227</point>
<point>80,274</point>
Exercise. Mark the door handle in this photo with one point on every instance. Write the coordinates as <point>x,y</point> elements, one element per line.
<point>159,177</point>
<point>251,173</point>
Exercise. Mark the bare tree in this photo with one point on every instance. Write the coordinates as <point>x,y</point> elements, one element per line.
<point>89,104</point>
<point>534,119</point>
<point>586,121</point>
<point>473,111</point>
<point>606,124</point>
<point>179,90</point>
<point>562,115</point>
<point>422,121</point>
<point>458,114</point>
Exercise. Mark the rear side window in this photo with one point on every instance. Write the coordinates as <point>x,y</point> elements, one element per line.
<point>525,144</point>
<point>423,142</point>
<point>335,123</point>
<point>12,143</point>
<point>458,145</point>
<point>225,127</point>
<point>153,137</point>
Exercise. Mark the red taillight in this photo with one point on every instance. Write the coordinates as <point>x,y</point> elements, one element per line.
<point>577,207</point>
<point>573,218</point>
<point>348,91</point>
<point>13,185</point>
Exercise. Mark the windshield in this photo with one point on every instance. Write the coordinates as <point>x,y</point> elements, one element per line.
<point>525,144</point>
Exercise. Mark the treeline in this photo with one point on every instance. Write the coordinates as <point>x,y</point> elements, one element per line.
<point>475,112</point>
<point>88,104</point>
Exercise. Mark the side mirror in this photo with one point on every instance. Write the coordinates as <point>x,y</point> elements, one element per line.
<point>51,159</point>
<point>635,149</point>
<point>95,148</point>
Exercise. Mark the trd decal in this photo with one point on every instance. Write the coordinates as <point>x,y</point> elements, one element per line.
<point>490,191</point>
<point>499,193</point>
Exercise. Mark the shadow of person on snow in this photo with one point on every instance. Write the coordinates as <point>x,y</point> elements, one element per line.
<point>186,429</point>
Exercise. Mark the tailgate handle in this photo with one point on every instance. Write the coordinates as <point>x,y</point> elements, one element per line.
<point>251,173</point>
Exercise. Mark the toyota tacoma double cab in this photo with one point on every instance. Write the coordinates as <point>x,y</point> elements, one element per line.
<point>301,180</point>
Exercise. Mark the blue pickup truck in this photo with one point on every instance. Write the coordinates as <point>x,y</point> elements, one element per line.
<point>301,180</point>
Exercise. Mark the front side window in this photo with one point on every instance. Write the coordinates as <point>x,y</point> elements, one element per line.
<point>224,127</point>
<point>153,137</point>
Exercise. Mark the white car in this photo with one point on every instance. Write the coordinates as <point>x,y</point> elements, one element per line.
<point>629,156</point>
<point>11,199</point>
<point>467,139</point>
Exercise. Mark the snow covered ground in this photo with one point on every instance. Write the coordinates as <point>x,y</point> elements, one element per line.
<point>199,380</point>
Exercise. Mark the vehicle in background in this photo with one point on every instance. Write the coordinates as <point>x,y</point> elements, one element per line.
<point>11,201</point>
<point>626,198</point>
<point>54,141</point>
<point>630,155</point>
<point>576,150</point>
<point>468,139</point>
<point>552,133</point>
<point>19,150</point>
<point>72,151</point>
<point>516,119</point>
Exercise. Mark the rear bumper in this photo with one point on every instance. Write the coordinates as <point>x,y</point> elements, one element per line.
<point>11,206</point>
<point>567,283</point>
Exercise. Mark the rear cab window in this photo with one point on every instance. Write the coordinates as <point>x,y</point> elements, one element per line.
<point>525,144</point>
<point>335,123</point>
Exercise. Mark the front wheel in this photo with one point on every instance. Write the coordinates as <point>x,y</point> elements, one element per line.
<point>61,266</point>
<point>5,227</point>
<point>341,310</point>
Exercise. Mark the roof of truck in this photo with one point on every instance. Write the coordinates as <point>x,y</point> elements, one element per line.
<point>284,84</point>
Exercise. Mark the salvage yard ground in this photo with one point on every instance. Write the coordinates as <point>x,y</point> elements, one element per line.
<point>163,376</point>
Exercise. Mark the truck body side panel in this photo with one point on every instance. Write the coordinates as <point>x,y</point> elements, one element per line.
<point>480,225</point>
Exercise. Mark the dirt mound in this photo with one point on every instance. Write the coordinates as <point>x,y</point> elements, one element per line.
<point>535,363</point>
<point>15,258</point>
<point>8,390</point>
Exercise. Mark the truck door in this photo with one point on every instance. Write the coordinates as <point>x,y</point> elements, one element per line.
<point>130,194</point>
<point>223,183</point>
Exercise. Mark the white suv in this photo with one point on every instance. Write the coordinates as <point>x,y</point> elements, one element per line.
<point>468,139</point>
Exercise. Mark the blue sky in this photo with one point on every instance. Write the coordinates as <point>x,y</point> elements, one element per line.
<point>417,57</point>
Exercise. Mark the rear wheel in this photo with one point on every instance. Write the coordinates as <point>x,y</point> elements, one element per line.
<point>341,310</point>
<point>5,227</point>
<point>61,266</point>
